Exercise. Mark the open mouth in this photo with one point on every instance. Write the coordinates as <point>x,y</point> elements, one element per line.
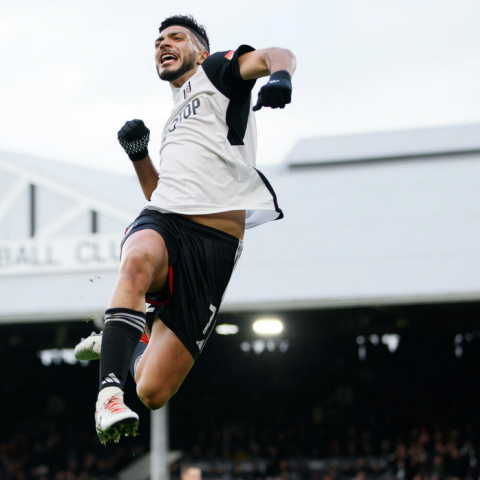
<point>168,58</point>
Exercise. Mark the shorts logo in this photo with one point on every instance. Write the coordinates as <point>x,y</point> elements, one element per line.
<point>229,55</point>
<point>201,343</point>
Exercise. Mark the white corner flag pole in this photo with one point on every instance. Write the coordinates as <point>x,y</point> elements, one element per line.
<point>159,445</point>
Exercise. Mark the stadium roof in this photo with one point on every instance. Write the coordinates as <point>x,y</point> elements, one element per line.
<point>386,145</point>
<point>393,230</point>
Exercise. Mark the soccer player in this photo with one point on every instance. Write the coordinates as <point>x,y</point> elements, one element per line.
<point>179,254</point>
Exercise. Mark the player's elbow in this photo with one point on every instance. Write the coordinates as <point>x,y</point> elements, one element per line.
<point>282,51</point>
<point>281,57</point>
<point>291,57</point>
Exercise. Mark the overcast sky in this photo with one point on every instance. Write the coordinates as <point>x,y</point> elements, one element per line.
<point>72,72</point>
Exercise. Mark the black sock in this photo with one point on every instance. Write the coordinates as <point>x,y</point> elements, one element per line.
<point>123,329</point>
<point>139,349</point>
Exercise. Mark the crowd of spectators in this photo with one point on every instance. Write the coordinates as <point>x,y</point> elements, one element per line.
<point>427,453</point>
<point>45,450</point>
<point>42,450</point>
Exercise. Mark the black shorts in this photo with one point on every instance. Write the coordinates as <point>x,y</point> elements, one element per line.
<point>201,262</point>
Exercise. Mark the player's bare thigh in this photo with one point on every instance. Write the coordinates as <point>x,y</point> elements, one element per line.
<point>144,268</point>
<point>163,367</point>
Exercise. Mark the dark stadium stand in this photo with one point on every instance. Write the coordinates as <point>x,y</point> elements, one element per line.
<point>41,450</point>
<point>315,412</point>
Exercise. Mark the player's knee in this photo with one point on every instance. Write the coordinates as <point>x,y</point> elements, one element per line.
<point>155,398</point>
<point>137,268</point>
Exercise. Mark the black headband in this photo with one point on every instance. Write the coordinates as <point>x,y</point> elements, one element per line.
<point>200,38</point>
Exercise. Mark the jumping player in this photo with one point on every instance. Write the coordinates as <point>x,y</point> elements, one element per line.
<point>179,254</point>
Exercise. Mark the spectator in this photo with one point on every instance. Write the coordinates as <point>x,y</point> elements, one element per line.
<point>191,473</point>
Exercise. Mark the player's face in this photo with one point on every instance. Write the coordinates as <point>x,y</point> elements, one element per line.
<point>176,53</point>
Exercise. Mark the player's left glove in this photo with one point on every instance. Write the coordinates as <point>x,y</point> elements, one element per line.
<point>277,92</point>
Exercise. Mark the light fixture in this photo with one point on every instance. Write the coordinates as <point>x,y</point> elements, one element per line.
<point>226,329</point>
<point>391,340</point>
<point>58,356</point>
<point>268,326</point>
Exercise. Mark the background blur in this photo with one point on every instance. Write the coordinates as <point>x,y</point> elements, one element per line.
<point>374,271</point>
<point>73,73</point>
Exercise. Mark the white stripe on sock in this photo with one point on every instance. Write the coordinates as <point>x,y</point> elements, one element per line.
<point>124,316</point>
<point>141,328</point>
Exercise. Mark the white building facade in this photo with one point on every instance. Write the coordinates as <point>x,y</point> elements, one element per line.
<point>388,218</point>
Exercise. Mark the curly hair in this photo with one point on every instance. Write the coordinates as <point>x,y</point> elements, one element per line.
<point>189,22</point>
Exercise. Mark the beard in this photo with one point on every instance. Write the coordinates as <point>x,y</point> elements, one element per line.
<point>172,75</point>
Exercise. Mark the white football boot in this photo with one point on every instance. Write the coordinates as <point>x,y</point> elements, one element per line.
<point>89,348</point>
<point>114,419</point>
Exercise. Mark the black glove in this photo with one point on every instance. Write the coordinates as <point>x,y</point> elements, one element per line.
<point>134,137</point>
<point>277,92</point>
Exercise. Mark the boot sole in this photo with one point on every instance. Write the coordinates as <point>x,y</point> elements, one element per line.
<point>127,427</point>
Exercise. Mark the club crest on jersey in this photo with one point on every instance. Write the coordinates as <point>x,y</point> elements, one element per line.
<point>187,91</point>
<point>229,55</point>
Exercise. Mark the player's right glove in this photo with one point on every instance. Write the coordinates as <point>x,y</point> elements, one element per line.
<point>277,92</point>
<point>134,137</point>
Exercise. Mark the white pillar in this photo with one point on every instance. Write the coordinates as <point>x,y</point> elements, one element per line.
<point>159,467</point>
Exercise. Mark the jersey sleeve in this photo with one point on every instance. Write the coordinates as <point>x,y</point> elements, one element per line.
<point>223,70</point>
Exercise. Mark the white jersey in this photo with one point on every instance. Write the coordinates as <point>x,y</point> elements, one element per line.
<point>207,157</point>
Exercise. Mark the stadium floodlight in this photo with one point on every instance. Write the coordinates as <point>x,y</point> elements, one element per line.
<point>226,329</point>
<point>391,341</point>
<point>57,356</point>
<point>268,326</point>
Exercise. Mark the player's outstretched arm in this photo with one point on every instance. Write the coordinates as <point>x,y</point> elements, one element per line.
<point>134,137</point>
<point>280,64</point>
